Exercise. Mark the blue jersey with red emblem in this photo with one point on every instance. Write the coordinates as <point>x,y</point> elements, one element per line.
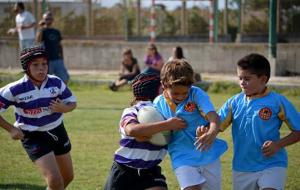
<point>255,121</point>
<point>193,110</point>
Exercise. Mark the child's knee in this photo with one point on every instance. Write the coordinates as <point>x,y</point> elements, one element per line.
<point>55,182</point>
<point>68,179</point>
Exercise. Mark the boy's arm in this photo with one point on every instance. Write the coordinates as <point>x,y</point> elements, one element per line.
<point>14,132</point>
<point>59,106</point>
<point>269,148</point>
<point>147,130</point>
<point>205,137</point>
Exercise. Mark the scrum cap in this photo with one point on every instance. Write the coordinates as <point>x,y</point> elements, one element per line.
<point>146,86</point>
<point>28,54</point>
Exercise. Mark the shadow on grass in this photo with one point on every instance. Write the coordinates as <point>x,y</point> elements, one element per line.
<point>23,186</point>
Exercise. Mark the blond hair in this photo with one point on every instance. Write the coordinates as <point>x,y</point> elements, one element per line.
<point>177,72</point>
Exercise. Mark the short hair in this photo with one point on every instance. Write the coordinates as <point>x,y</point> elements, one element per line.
<point>20,5</point>
<point>177,72</point>
<point>256,64</point>
<point>127,51</point>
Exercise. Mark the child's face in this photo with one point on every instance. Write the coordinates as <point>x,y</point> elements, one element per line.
<point>178,93</point>
<point>38,69</point>
<point>251,84</point>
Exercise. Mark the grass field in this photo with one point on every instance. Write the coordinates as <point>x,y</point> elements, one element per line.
<point>93,129</point>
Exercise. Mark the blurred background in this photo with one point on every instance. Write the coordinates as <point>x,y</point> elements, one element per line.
<point>191,22</point>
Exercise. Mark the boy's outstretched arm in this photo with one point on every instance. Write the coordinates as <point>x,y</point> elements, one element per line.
<point>269,148</point>
<point>206,135</point>
<point>146,130</point>
<point>14,132</point>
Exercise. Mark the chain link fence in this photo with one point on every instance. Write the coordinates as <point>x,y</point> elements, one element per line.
<point>130,19</point>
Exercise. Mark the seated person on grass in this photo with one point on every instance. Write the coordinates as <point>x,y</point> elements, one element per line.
<point>129,70</point>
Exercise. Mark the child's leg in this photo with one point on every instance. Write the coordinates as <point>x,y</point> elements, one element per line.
<point>66,168</point>
<point>245,180</point>
<point>51,172</point>
<point>272,178</point>
<point>212,175</point>
<point>189,178</point>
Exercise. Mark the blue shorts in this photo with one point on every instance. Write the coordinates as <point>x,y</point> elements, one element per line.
<point>124,177</point>
<point>40,143</point>
<point>57,68</point>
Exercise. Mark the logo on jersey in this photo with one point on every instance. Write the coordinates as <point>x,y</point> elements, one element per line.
<point>26,98</point>
<point>53,91</point>
<point>265,113</point>
<point>190,107</point>
<point>34,111</point>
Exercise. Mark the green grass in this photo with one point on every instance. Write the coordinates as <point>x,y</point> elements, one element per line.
<point>93,129</point>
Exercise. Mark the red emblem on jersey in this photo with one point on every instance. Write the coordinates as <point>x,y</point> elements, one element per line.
<point>265,113</point>
<point>190,107</point>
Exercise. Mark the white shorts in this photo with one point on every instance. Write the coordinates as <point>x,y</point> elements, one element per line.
<point>209,176</point>
<point>269,178</point>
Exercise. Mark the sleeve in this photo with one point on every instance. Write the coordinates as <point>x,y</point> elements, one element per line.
<point>225,113</point>
<point>129,116</point>
<point>6,99</point>
<point>289,114</point>
<point>202,100</point>
<point>65,94</point>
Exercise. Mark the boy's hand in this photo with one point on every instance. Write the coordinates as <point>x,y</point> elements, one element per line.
<point>205,137</point>
<point>176,123</point>
<point>201,130</point>
<point>269,148</point>
<point>16,133</point>
<point>57,106</point>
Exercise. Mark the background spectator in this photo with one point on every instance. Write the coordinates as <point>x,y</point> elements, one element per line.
<point>129,70</point>
<point>153,60</point>
<point>51,38</point>
<point>25,26</point>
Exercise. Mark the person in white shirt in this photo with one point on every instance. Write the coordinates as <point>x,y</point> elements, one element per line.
<point>25,26</point>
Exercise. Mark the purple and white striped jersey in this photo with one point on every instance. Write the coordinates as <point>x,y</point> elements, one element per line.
<point>139,155</point>
<point>31,104</point>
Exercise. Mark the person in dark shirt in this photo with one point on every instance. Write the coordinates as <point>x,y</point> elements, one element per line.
<point>51,39</point>
<point>129,70</point>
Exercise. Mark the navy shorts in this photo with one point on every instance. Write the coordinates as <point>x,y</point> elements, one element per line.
<point>123,177</point>
<point>40,143</point>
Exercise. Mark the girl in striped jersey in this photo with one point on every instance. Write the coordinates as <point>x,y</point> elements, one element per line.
<point>40,101</point>
<point>136,162</point>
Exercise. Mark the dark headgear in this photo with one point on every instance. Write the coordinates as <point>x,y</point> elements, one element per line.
<point>28,54</point>
<point>146,86</point>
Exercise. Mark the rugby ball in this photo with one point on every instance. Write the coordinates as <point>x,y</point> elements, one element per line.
<point>149,114</point>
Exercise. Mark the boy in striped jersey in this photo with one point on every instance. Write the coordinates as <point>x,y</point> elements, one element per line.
<point>136,162</point>
<point>40,101</point>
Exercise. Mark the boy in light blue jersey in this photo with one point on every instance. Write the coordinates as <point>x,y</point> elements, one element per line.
<point>256,115</point>
<point>194,169</point>
<point>40,101</point>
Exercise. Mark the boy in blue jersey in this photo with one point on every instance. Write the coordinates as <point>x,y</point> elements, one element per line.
<point>256,115</point>
<point>40,101</point>
<point>136,162</point>
<point>194,169</point>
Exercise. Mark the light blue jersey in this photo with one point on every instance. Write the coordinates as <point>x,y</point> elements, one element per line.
<point>255,121</point>
<point>193,110</point>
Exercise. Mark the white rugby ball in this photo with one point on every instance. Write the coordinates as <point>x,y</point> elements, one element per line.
<point>149,114</point>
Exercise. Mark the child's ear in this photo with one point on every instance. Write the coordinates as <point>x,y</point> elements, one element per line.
<point>264,79</point>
